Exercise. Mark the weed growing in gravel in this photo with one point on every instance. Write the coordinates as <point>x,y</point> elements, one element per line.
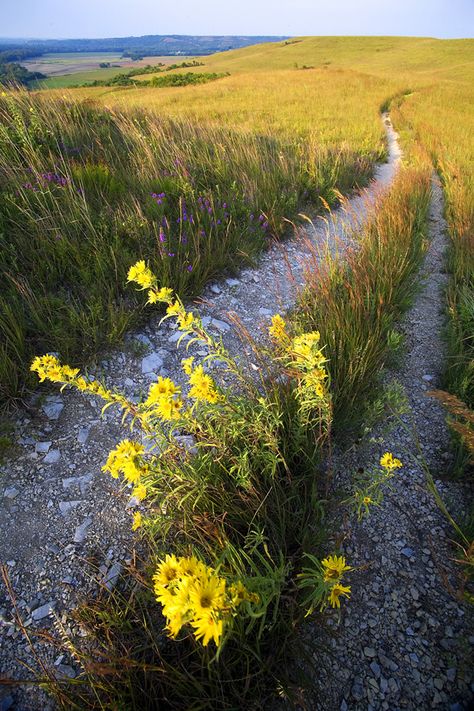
<point>230,478</point>
<point>369,484</point>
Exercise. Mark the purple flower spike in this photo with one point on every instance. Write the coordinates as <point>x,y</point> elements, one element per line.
<point>189,267</point>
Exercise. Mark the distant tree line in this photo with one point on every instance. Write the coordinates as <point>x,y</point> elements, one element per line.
<point>11,72</point>
<point>134,47</point>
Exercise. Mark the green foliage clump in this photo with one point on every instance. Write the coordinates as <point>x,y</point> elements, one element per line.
<point>186,79</point>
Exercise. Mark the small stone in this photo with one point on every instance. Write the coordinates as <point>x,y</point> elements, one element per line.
<point>152,363</point>
<point>232,282</point>
<point>428,378</point>
<point>370,652</point>
<point>388,663</point>
<point>451,674</point>
<point>393,685</point>
<point>10,493</point>
<point>383,685</point>
<point>67,506</point>
<point>375,669</point>
<point>343,706</point>
<point>265,312</point>
<point>53,456</point>
<point>407,552</point>
<point>221,326</point>
<point>177,335</point>
<point>44,611</point>
<point>52,410</point>
<point>66,670</point>
<point>439,683</point>
<point>215,288</point>
<point>83,435</point>
<point>42,447</point>
<point>142,338</point>
<point>414,593</point>
<point>357,690</point>
<point>111,577</point>
<point>81,530</point>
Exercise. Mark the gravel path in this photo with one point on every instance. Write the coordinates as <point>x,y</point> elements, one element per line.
<point>65,527</point>
<point>404,640</point>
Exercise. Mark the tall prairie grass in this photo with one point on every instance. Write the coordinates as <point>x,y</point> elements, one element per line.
<point>358,300</point>
<point>87,191</point>
<point>439,118</point>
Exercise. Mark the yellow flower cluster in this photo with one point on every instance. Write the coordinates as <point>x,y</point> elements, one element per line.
<point>192,593</point>
<point>278,328</point>
<point>126,459</point>
<point>302,353</point>
<point>141,275</point>
<point>334,568</point>
<point>163,295</point>
<point>389,462</point>
<point>305,351</point>
<point>48,367</point>
<point>203,387</point>
<point>163,399</point>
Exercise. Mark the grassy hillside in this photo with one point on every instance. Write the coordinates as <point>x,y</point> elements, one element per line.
<point>294,120</point>
<point>332,88</point>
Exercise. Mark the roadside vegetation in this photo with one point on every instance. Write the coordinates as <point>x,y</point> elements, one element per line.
<point>233,478</point>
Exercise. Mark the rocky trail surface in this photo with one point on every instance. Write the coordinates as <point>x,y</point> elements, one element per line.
<point>405,641</point>
<point>65,527</point>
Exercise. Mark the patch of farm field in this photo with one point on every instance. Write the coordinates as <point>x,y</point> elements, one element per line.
<point>69,69</point>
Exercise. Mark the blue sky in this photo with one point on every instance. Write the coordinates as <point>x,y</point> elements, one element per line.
<point>118,18</point>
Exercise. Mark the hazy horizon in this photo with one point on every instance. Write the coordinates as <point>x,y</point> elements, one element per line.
<point>54,19</point>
